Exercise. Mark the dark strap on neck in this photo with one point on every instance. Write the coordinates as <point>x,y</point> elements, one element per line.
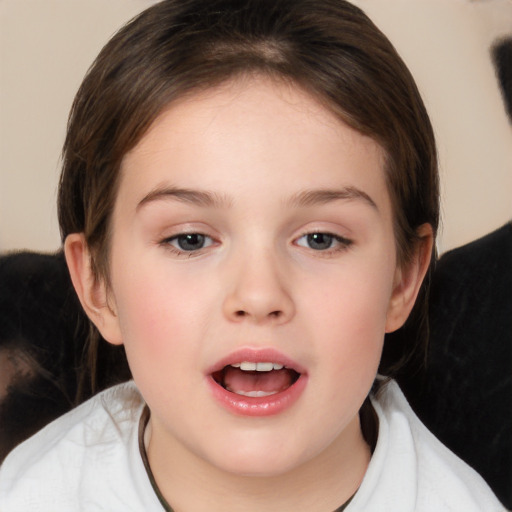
<point>144,419</point>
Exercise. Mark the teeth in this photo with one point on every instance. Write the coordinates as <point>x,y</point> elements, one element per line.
<point>264,367</point>
<point>247,366</point>
<point>255,394</point>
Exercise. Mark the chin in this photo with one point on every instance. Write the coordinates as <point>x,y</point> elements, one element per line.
<point>263,467</point>
<point>266,458</point>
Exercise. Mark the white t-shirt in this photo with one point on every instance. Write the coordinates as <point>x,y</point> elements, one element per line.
<point>89,460</point>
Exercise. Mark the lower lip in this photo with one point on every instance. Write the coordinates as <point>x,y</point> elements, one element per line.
<point>258,406</point>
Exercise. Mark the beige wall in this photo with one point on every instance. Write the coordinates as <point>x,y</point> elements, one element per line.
<point>47,45</point>
<point>446,45</point>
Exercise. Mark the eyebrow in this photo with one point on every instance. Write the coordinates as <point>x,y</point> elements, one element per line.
<point>212,200</point>
<point>316,197</point>
<point>185,195</point>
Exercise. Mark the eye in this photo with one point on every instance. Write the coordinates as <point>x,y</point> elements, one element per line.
<point>323,241</point>
<point>189,242</point>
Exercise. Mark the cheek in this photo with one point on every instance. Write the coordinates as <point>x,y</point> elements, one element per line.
<point>351,309</point>
<point>157,335</point>
<point>355,296</point>
<point>160,316</point>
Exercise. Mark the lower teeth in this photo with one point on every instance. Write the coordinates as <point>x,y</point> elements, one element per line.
<point>254,394</point>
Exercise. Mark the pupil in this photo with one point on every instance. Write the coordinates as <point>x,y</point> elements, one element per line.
<point>191,242</point>
<point>319,241</point>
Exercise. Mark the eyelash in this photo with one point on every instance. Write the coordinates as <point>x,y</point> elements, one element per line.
<point>340,243</point>
<point>180,251</point>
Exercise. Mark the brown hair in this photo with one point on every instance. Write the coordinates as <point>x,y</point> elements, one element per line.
<point>176,47</point>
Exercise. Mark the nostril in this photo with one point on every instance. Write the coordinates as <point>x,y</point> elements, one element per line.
<point>274,314</point>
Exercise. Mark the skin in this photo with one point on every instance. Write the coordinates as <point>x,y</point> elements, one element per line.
<point>260,151</point>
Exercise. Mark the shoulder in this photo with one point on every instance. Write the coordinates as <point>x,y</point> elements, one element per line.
<point>85,447</point>
<point>411,470</point>
<point>481,263</point>
<point>494,245</point>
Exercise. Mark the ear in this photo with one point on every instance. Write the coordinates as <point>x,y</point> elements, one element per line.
<point>91,290</point>
<point>408,279</point>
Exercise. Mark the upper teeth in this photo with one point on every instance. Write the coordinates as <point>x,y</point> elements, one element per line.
<point>247,366</point>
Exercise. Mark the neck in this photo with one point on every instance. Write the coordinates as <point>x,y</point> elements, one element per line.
<point>324,483</point>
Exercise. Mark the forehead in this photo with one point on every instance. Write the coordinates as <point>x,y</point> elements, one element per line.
<point>259,128</point>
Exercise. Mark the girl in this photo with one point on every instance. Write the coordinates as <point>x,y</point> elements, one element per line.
<point>248,204</point>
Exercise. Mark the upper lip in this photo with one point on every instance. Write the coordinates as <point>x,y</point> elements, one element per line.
<point>256,355</point>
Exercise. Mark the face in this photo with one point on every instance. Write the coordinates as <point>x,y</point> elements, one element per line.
<point>253,276</point>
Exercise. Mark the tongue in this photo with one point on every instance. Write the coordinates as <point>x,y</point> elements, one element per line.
<point>240,381</point>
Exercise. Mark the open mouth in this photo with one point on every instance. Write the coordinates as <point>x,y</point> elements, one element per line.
<point>256,379</point>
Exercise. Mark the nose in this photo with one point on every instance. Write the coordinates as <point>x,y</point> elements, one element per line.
<point>257,292</point>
